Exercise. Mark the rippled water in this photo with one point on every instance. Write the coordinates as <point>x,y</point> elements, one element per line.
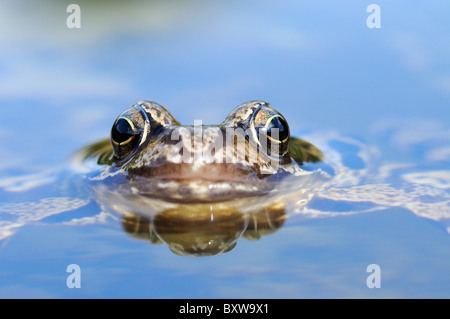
<point>375,101</point>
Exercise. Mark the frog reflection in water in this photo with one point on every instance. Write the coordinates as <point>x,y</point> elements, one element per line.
<point>198,188</point>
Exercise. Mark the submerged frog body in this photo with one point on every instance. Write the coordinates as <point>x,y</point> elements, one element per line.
<point>199,188</point>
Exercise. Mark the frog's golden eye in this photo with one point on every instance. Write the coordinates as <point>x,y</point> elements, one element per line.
<point>129,131</point>
<point>270,130</point>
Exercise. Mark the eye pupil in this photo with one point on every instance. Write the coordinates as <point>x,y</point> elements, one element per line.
<point>122,131</point>
<point>278,123</point>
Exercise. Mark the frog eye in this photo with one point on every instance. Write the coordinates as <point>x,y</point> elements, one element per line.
<point>278,127</point>
<point>129,131</point>
<point>270,130</point>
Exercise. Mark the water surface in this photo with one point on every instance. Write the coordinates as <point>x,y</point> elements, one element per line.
<point>376,101</point>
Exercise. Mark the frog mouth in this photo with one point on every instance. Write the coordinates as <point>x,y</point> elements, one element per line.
<point>186,183</point>
<point>202,183</point>
<point>213,172</point>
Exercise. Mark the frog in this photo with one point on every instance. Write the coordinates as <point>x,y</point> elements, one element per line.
<point>199,188</point>
<point>206,162</point>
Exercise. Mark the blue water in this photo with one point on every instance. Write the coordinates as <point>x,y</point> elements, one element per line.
<point>377,102</point>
